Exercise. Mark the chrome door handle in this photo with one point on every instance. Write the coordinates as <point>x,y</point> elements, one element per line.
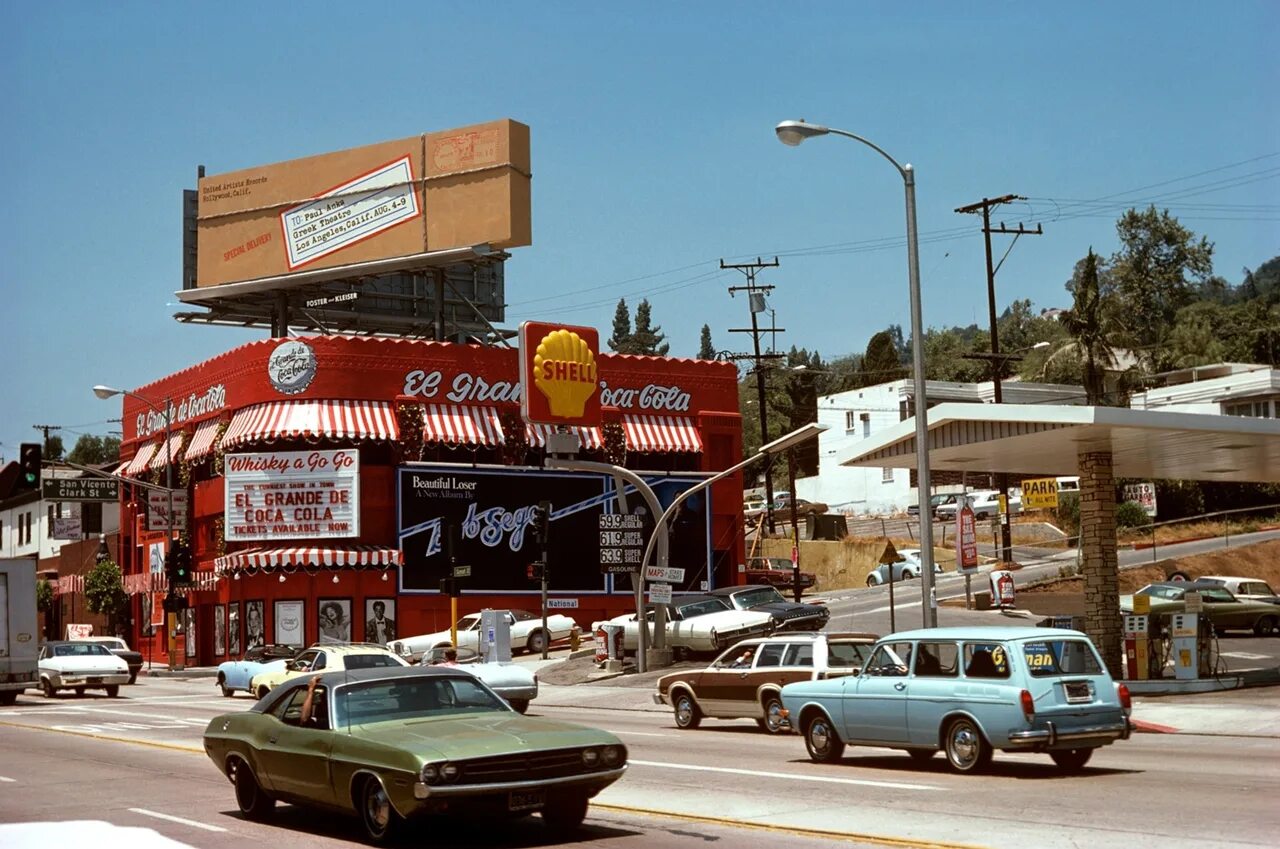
<point>898,686</point>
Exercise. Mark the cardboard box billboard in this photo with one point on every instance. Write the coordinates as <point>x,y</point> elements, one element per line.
<point>436,191</point>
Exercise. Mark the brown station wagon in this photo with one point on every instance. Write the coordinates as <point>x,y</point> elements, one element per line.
<point>737,687</point>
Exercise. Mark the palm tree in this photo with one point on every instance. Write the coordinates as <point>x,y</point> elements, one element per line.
<point>1094,330</point>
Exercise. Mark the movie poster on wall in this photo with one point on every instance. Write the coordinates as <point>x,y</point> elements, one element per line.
<point>489,511</point>
<point>280,495</point>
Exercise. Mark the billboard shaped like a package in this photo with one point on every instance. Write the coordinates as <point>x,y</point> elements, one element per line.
<point>431,192</point>
<point>488,511</point>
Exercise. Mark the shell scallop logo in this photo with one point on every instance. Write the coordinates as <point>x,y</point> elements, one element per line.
<point>564,370</point>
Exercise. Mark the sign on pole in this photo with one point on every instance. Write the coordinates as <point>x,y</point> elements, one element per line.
<point>158,510</point>
<point>462,571</point>
<point>621,542</point>
<point>1144,494</point>
<point>1040,494</point>
<point>660,593</point>
<point>68,527</point>
<point>80,489</point>
<point>966,541</point>
<point>671,575</point>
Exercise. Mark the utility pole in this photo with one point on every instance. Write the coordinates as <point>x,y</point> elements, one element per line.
<point>997,361</point>
<point>755,301</point>
<point>46,429</point>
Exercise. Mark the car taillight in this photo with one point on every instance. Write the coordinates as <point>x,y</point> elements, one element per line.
<point>1126,702</point>
<point>1028,705</point>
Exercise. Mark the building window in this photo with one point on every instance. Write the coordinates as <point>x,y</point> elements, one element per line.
<point>1,534</point>
<point>866,425</point>
<point>850,420</point>
<point>49,529</point>
<point>1252,409</point>
<point>886,475</point>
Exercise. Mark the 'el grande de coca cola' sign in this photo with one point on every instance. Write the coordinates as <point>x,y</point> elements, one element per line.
<point>291,367</point>
<point>467,388</point>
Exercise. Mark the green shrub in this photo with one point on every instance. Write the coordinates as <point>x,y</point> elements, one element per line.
<point>1068,513</point>
<point>1130,515</point>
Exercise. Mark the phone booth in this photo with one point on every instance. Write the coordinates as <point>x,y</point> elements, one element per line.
<point>495,636</point>
<point>1184,631</point>
<point>1137,646</point>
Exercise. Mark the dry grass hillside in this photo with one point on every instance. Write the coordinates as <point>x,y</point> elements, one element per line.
<point>1260,561</point>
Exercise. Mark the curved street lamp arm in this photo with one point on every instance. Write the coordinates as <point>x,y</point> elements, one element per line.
<point>906,171</point>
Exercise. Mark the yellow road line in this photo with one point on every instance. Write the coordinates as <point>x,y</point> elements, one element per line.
<point>799,831</point>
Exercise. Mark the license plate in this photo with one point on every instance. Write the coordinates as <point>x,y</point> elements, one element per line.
<point>526,800</point>
<point>1077,691</point>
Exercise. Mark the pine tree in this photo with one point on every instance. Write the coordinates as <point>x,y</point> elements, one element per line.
<point>647,339</point>
<point>706,351</point>
<point>621,340</point>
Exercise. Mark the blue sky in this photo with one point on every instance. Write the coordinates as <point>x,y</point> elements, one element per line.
<point>653,154</point>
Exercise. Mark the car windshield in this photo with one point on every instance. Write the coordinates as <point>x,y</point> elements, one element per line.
<point>703,607</point>
<point>370,661</point>
<point>466,623</point>
<point>763,595</point>
<point>1156,591</point>
<point>110,643</point>
<point>410,698</point>
<point>1216,594</point>
<point>79,650</point>
<point>1046,658</point>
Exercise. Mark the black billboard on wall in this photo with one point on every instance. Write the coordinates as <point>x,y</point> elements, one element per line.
<point>491,509</point>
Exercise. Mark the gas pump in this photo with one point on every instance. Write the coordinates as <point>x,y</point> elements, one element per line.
<point>1137,647</point>
<point>1184,630</point>
<point>495,636</point>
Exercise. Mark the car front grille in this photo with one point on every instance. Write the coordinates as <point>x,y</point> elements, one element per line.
<point>531,767</point>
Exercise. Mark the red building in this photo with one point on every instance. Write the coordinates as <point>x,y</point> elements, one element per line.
<point>293,454</point>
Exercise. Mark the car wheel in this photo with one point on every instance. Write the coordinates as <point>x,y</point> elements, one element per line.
<point>46,686</point>
<point>8,697</point>
<point>967,749</point>
<point>79,691</point>
<point>519,705</point>
<point>113,691</point>
<point>1266,626</point>
<point>252,801</point>
<point>822,741</point>
<point>922,756</point>
<point>263,689</point>
<point>537,642</point>
<point>871,581</point>
<point>687,713</point>
<point>564,813</point>
<point>1071,760</point>
<point>1179,576</point>
<point>381,822</point>
<point>772,721</point>
<point>133,677</point>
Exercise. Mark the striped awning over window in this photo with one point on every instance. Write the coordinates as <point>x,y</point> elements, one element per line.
<point>661,433</point>
<point>161,457</point>
<point>590,437</point>
<point>461,424</point>
<point>275,558</point>
<point>140,461</point>
<point>202,441</point>
<point>335,419</point>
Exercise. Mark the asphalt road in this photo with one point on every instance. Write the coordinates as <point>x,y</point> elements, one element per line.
<point>137,761</point>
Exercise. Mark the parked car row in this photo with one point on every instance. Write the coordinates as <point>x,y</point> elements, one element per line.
<point>1224,610</point>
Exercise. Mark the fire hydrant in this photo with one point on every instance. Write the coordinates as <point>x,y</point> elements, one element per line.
<point>575,638</point>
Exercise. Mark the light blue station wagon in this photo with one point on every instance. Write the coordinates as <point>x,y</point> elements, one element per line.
<point>968,692</point>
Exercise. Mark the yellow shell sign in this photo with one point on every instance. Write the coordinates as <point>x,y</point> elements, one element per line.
<point>559,374</point>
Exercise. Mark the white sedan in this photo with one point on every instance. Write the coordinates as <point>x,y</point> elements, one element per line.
<point>515,682</point>
<point>526,633</point>
<point>79,666</point>
<point>698,623</point>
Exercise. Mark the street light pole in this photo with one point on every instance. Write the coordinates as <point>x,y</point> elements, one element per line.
<point>793,133</point>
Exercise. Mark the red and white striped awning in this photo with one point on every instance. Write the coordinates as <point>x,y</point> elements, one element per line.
<point>661,433</point>
<point>69,584</point>
<point>275,558</point>
<point>590,437</point>
<point>161,457</point>
<point>461,424</point>
<point>139,463</point>
<point>335,419</point>
<point>202,441</point>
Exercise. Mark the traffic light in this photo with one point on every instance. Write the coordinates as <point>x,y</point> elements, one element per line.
<point>541,521</point>
<point>177,566</point>
<point>449,587</point>
<point>30,456</point>
<point>536,570</point>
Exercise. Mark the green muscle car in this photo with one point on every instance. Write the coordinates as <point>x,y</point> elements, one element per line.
<point>393,743</point>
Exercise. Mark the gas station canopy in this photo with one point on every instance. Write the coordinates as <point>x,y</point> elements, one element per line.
<point>1034,439</point>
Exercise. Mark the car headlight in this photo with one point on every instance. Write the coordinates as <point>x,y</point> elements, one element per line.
<point>590,757</point>
<point>430,774</point>
<point>450,772</point>
<point>612,755</point>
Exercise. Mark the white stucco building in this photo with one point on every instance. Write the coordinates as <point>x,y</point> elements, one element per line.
<point>1231,389</point>
<point>26,519</point>
<point>859,415</point>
